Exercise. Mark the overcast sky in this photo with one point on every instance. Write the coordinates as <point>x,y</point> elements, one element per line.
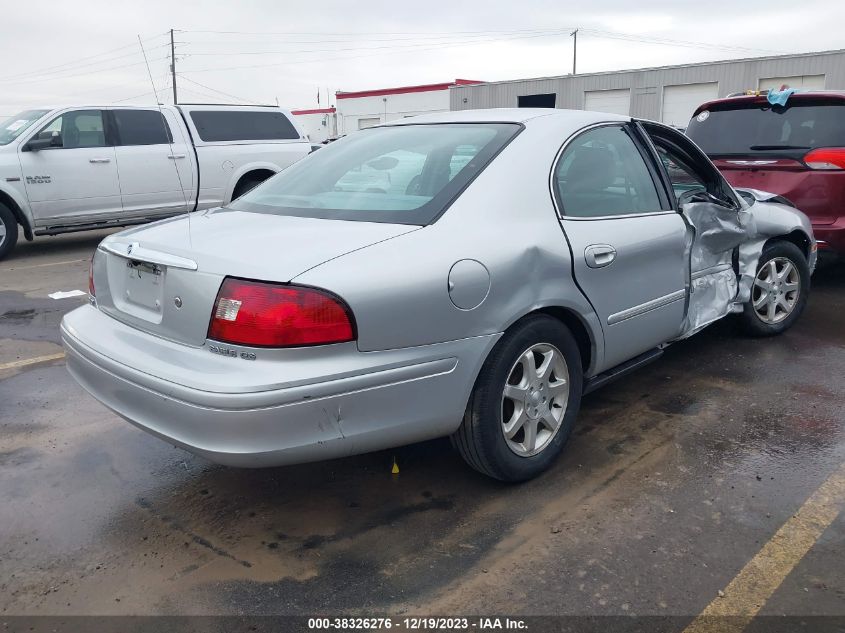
<point>87,51</point>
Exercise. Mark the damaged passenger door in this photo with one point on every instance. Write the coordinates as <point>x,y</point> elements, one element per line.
<point>717,225</point>
<point>628,244</point>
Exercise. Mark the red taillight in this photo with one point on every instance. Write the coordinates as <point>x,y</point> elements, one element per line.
<point>91,290</point>
<point>262,314</point>
<point>826,158</point>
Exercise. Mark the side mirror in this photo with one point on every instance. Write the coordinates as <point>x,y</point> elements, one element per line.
<point>700,195</point>
<point>43,141</point>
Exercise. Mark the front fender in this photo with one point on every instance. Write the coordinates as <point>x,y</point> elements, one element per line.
<point>771,219</point>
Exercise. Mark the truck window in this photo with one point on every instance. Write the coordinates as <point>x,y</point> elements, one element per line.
<point>234,125</point>
<point>13,127</point>
<point>76,129</point>
<point>141,127</point>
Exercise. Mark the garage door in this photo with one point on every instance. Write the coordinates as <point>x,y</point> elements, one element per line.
<point>614,101</point>
<point>807,82</point>
<point>679,102</point>
<point>363,124</point>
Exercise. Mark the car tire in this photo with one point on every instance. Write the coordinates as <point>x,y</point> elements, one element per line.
<point>8,230</point>
<point>246,185</point>
<point>495,409</point>
<point>780,290</point>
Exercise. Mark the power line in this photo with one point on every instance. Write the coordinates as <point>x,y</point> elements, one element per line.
<point>73,63</point>
<point>143,94</point>
<point>414,48</point>
<point>359,33</point>
<point>633,37</point>
<point>90,72</point>
<point>203,94</point>
<point>59,74</point>
<point>364,48</point>
<point>421,40</point>
<point>225,94</point>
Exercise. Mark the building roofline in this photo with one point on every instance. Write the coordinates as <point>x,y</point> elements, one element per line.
<point>405,89</point>
<point>656,68</point>
<point>315,111</point>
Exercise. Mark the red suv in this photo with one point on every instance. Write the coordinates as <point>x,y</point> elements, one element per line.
<point>796,151</point>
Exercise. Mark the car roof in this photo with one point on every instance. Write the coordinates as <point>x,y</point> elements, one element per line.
<point>754,99</point>
<point>511,115</point>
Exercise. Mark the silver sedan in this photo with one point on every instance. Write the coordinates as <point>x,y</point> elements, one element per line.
<point>468,274</point>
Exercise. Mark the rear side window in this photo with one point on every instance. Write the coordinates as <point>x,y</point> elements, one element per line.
<point>602,173</point>
<point>142,127</point>
<point>223,125</point>
<point>761,128</point>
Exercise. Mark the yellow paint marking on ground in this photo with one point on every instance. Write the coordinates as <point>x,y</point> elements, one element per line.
<point>31,361</point>
<point>68,261</point>
<point>759,579</point>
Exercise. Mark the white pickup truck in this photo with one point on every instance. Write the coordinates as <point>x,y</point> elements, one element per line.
<point>79,168</point>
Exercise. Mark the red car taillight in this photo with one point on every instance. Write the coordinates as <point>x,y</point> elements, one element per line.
<point>826,158</point>
<point>91,289</point>
<point>262,314</point>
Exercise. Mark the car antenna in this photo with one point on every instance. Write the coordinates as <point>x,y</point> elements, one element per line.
<point>167,135</point>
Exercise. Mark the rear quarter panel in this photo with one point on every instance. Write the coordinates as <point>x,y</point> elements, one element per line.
<point>398,289</point>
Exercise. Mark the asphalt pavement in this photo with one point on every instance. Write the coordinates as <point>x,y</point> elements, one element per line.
<point>710,482</point>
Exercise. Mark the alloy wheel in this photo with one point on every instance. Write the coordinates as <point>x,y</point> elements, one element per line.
<point>776,290</point>
<point>534,399</point>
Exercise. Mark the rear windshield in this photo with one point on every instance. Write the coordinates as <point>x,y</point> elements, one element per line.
<point>404,174</point>
<point>762,128</point>
<point>241,125</point>
<point>14,126</point>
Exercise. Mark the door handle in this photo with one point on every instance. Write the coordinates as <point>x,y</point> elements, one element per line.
<point>599,255</point>
<point>175,156</point>
<point>99,160</point>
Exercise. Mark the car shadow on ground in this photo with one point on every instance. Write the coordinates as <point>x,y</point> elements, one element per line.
<point>72,243</point>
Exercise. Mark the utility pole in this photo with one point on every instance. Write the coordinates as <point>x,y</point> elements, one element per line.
<point>173,66</point>
<point>574,35</point>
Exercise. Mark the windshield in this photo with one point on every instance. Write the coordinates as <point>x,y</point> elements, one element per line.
<point>762,128</point>
<point>13,127</point>
<point>405,174</point>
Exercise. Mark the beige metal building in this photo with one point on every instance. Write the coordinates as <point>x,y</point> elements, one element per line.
<point>668,93</point>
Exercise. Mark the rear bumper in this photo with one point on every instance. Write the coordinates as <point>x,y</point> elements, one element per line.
<point>831,237</point>
<point>392,398</point>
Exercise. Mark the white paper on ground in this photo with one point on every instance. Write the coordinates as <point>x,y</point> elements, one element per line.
<point>65,294</point>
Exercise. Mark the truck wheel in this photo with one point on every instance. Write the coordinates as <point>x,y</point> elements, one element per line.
<point>524,403</point>
<point>780,290</point>
<point>8,230</point>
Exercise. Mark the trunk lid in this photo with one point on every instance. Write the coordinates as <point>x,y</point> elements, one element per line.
<point>166,283</point>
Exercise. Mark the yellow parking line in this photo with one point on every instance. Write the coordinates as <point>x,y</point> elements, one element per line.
<point>67,261</point>
<point>757,581</point>
<point>32,361</point>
